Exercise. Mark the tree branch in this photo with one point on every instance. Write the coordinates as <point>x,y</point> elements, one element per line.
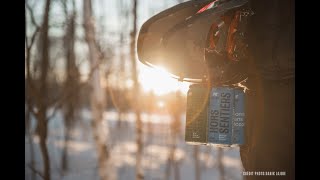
<point>65,7</point>
<point>33,20</point>
<point>35,171</point>
<point>29,47</point>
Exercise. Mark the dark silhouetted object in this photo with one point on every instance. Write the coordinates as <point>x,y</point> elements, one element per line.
<point>271,101</point>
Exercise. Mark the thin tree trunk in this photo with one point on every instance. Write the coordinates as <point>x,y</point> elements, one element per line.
<point>45,156</point>
<point>168,167</point>
<point>150,111</point>
<point>64,156</point>
<point>220,163</point>
<point>175,129</point>
<point>176,170</point>
<point>100,129</point>
<point>197,163</point>
<point>29,134</point>
<point>136,89</point>
<point>174,159</point>
<point>71,84</point>
<point>43,92</point>
<point>177,110</point>
<point>119,118</point>
<point>29,106</point>
<point>123,25</point>
<point>33,174</point>
<point>121,88</point>
<point>172,163</point>
<point>29,85</point>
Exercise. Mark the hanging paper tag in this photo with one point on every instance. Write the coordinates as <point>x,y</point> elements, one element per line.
<point>216,116</point>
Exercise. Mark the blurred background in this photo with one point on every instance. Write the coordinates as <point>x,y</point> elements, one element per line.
<point>93,111</point>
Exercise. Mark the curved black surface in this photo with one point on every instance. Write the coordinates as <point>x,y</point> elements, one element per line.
<point>175,38</point>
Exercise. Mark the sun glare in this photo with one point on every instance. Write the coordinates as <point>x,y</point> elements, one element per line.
<point>160,104</point>
<point>159,81</point>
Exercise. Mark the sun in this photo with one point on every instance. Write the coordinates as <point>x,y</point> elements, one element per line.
<point>159,81</point>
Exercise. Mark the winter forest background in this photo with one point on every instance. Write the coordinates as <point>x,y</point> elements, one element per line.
<point>93,111</point>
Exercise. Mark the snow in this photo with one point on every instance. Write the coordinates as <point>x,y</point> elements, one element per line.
<point>156,148</point>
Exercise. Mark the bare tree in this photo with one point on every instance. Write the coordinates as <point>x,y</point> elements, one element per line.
<point>29,86</point>
<point>39,99</point>
<point>40,94</point>
<point>100,129</point>
<point>136,90</point>
<point>42,102</point>
<point>29,46</point>
<point>123,26</point>
<point>72,81</point>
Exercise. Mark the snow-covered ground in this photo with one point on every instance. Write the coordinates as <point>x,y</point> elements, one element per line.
<point>82,155</point>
